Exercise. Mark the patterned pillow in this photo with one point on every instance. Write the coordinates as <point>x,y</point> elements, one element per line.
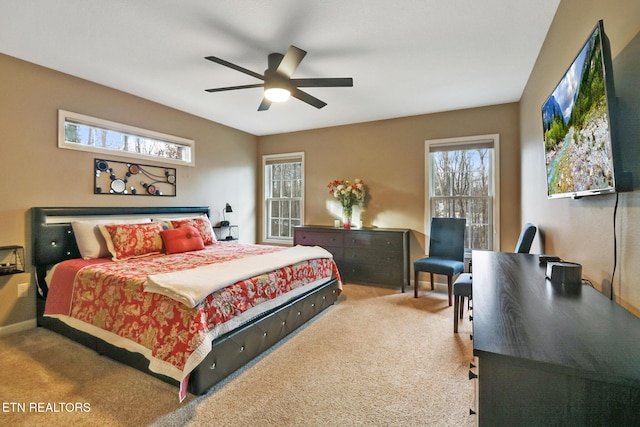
<point>203,225</point>
<point>132,240</point>
<point>90,240</point>
<point>182,239</point>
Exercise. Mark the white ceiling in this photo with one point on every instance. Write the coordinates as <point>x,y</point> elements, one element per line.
<point>406,57</point>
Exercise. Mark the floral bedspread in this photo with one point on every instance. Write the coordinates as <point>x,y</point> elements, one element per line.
<point>110,297</point>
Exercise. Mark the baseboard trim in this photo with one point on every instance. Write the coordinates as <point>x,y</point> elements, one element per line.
<point>18,327</point>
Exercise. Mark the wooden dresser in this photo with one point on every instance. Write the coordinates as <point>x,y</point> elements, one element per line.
<point>377,256</point>
<point>549,355</point>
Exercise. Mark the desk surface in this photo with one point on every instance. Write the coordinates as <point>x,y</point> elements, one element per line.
<point>519,314</point>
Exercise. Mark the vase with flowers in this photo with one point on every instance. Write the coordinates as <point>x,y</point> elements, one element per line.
<point>348,194</point>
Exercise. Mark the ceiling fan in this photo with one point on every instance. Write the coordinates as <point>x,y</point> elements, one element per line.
<point>278,84</point>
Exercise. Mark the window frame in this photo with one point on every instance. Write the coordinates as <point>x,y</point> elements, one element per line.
<point>462,142</point>
<point>267,160</point>
<point>82,119</point>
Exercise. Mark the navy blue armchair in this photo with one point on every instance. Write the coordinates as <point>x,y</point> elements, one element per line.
<point>446,252</point>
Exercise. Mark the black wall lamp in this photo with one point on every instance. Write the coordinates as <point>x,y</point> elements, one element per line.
<point>227,209</point>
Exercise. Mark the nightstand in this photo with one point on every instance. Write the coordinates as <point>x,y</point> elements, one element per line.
<point>226,233</point>
<point>11,260</point>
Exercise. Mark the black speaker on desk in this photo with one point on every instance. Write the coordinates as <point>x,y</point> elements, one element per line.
<point>565,277</point>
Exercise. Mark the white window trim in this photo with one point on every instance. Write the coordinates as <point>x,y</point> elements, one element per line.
<point>495,139</point>
<point>265,191</point>
<point>118,127</point>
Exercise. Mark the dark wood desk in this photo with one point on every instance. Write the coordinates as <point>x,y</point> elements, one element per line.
<point>548,356</point>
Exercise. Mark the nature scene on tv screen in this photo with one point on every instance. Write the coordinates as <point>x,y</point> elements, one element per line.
<point>576,127</point>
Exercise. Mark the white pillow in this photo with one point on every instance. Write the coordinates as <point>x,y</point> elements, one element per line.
<point>89,239</point>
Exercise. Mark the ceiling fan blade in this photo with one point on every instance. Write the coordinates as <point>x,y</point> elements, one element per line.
<point>305,97</point>
<point>328,82</point>
<point>291,60</point>
<point>235,67</point>
<point>223,89</point>
<point>264,105</point>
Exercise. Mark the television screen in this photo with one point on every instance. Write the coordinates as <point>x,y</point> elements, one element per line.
<point>576,122</point>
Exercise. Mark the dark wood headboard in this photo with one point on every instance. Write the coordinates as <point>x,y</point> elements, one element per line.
<point>53,239</point>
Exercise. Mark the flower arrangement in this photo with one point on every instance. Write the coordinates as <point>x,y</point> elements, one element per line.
<point>348,193</point>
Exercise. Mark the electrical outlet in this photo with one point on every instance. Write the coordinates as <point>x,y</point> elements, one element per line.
<point>23,290</point>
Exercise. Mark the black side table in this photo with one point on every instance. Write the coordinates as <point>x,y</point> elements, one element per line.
<point>226,233</point>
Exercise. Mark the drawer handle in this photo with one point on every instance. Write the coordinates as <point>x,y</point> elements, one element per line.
<point>472,375</point>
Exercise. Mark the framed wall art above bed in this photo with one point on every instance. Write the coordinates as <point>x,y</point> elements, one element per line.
<point>133,179</point>
<point>150,293</point>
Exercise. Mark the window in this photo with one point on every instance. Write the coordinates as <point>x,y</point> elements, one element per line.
<point>463,183</point>
<point>283,195</point>
<point>85,133</point>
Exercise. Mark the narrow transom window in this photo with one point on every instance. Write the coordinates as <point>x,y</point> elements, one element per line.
<point>85,133</point>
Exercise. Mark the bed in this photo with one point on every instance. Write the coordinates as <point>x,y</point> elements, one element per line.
<point>215,340</point>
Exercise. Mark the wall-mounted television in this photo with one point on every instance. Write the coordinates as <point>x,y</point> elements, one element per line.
<point>579,146</point>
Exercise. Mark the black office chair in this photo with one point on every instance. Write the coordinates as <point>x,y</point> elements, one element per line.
<point>446,252</point>
<point>526,239</point>
<point>463,285</point>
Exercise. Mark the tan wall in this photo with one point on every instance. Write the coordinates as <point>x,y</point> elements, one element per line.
<point>389,156</point>
<point>582,230</point>
<point>35,172</point>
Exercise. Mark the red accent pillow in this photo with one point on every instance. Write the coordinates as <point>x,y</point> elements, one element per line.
<point>202,224</point>
<point>182,239</point>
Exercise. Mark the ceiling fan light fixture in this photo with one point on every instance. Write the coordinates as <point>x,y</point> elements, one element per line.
<point>276,94</point>
<point>278,85</point>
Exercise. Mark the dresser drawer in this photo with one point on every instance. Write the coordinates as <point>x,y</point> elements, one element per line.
<point>390,274</point>
<point>372,255</point>
<point>378,240</point>
<point>318,238</point>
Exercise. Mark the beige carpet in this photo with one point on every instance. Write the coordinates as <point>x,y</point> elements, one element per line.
<point>376,358</point>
